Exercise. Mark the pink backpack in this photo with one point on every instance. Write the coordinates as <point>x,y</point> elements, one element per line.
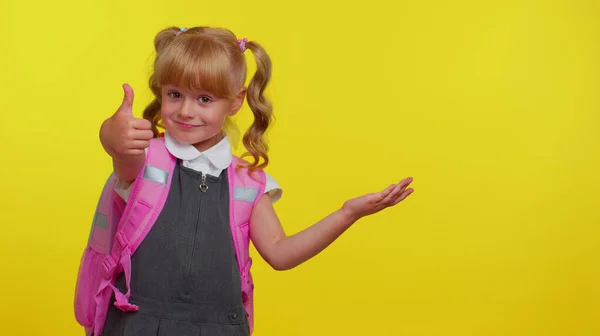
<point>119,227</point>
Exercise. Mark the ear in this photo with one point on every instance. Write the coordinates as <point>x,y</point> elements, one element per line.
<point>238,101</point>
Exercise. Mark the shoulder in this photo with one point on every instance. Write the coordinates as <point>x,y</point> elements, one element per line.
<point>272,187</point>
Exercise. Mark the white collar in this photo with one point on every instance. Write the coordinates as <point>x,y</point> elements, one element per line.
<point>219,155</point>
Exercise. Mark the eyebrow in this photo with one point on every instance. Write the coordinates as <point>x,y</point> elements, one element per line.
<point>199,92</point>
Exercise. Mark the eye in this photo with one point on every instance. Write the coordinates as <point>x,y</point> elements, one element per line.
<point>205,99</point>
<point>174,94</point>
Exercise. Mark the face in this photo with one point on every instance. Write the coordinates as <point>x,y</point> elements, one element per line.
<point>196,117</point>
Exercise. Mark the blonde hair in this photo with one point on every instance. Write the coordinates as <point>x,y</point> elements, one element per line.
<point>210,59</point>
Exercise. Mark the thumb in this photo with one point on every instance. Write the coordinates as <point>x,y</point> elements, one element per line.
<point>127,104</point>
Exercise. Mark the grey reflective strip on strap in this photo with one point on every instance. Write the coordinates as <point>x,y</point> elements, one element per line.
<point>156,175</point>
<point>245,194</point>
<point>101,220</point>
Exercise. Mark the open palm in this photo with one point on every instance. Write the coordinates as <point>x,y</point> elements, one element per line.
<point>372,203</point>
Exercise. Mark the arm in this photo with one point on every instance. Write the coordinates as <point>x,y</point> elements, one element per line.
<point>285,252</point>
<point>125,138</point>
<point>128,168</point>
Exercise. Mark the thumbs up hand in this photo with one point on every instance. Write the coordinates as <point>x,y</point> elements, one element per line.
<point>122,135</point>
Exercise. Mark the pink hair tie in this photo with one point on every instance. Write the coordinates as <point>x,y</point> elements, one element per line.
<point>242,44</point>
<point>181,30</point>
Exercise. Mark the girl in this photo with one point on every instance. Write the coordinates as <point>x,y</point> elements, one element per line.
<point>186,280</point>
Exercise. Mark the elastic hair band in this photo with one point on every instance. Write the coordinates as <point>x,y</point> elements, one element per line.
<point>242,44</point>
<point>181,30</point>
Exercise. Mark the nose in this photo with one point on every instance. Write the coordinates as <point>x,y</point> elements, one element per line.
<point>186,111</point>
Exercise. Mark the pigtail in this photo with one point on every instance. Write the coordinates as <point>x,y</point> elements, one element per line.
<point>253,139</point>
<point>163,38</point>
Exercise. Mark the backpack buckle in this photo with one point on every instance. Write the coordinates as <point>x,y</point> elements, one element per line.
<point>109,265</point>
<point>122,240</point>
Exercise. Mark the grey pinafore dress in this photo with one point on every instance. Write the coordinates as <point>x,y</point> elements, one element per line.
<point>185,278</point>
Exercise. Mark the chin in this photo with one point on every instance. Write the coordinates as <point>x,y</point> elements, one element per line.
<point>183,138</point>
<point>188,138</point>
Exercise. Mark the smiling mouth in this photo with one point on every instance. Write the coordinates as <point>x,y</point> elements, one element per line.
<point>185,125</point>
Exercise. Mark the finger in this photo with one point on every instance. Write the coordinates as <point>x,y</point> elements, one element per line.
<point>127,104</point>
<point>139,144</point>
<point>128,95</point>
<point>406,182</point>
<point>396,191</point>
<point>141,124</point>
<point>135,152</point>
<point>383,194</point>
<point>404,195</point>
<point>140,135</point>
<point>402,186</point>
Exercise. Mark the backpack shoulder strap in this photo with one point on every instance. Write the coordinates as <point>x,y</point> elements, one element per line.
<point>245,190</point>
<point>103,225</point>
<point>148,193</point>
<point>245,180</point>
<point>147,198</point>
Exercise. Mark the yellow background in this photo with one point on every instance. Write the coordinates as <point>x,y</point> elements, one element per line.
<point>493,108</point>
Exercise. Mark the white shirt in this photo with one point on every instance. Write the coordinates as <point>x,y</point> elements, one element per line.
<point>211,161</point>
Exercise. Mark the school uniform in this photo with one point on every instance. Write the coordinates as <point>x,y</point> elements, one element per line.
<point>185,277</point>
